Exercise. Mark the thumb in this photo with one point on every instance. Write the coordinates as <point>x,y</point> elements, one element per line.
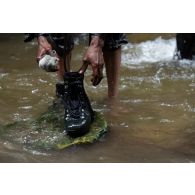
<point>84,67</point>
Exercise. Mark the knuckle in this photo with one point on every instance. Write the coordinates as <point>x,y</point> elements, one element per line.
<point>85,59</point>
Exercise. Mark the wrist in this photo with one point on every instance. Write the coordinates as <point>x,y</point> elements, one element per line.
<point>97,41</point>
<point>42,41</point>
<point>41,38</point>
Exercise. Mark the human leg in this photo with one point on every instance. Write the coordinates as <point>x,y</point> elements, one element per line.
<point>112,62</point>
<point>112,58</point>
<point>64,66</point>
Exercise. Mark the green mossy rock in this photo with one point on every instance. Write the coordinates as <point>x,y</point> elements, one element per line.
<point>46,131</point>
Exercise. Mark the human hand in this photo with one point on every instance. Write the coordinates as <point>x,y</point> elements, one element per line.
<point>94,57</point>
<point>43,48</point>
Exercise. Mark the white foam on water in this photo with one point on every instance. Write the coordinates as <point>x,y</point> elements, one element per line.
<point>187,63</point>
<point>149,51</point>
<point>3,75</point>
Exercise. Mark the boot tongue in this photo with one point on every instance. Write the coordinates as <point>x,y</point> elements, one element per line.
<point>73,76</point>
<point>74,95</point>
<point>74,81</point>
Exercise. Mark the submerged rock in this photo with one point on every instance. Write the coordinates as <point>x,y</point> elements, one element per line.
<point>46,132</point>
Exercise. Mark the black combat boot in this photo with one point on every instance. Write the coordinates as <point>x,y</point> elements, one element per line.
<point>59,90</point>
<point>78,112</point>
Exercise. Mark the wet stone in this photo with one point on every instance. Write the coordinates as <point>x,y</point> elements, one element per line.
<point>46,132</point>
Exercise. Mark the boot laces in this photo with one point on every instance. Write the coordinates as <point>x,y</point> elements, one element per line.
<point>75,100</point>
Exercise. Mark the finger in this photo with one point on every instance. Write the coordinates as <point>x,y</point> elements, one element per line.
<point>95,70</point>
<point>84,67</point>
<point>38,59</point>
<point>94,74</point>
<point>96,80</point>
<point>97,74</point>
<point>40,53</point>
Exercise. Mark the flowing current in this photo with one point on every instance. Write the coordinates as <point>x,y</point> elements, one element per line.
<point>152,120</point>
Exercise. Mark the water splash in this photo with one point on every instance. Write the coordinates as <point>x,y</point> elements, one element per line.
<point>149,51</point>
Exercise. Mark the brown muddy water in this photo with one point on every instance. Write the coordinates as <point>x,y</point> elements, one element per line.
<point>153,119</point>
